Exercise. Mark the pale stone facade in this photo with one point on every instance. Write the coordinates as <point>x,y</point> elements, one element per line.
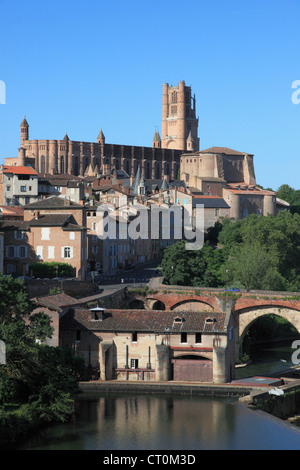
<point>229,174</point>
<point>18,185</point>
<point>152,345</point>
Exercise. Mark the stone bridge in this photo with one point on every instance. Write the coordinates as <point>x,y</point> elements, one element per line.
<point>246,306</point>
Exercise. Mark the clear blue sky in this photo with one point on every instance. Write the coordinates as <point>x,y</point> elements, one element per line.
<point>84,65</point>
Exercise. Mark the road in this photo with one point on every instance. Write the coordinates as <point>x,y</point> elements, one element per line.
<point>138,275</point>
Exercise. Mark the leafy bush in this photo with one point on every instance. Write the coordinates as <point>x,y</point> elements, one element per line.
<point>51,270</point>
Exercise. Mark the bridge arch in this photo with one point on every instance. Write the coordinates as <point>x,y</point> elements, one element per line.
<point>247,316</point>
<point>192,305</point>
<point>156,304</point>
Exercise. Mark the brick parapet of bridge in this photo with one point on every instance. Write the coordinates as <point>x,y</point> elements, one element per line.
<point>171,300</point>
<point>214,298</point>
<point>250,302</point>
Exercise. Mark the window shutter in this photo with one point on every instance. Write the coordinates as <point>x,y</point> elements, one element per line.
<point>71,252</point>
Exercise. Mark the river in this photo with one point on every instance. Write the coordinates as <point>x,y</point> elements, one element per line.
<point>120,421</point>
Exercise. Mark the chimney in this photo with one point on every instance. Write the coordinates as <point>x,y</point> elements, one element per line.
<point>36,215</point>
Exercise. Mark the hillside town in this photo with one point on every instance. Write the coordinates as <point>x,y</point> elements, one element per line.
<point>75,215</point>
<point>80,212</point>
<point>52,193</point>
<point>149,229</point>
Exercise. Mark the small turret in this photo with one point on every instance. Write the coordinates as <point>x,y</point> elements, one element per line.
<point>24,130</point>
<point>101,138</point>
<point>156,142</point>
<point>190,143</point>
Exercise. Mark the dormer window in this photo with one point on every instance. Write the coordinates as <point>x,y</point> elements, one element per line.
<point>97,313</point>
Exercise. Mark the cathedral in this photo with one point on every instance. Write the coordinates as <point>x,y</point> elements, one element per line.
<point>161,161</point>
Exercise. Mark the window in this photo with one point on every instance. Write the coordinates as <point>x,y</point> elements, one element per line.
<point>45,233</point>
<point>39,251</point>
<point>183,338</point>
<point>67,252</point>
<point>18,234</point>
<point>134,363</point>
<point>10,251</point>
<point>23,189</point>
<point>50,252</point>
<point>78,335</point>
<point>134,337</point>
<point>198,338</point>
<point>22,251</point>
<point>72,235</point>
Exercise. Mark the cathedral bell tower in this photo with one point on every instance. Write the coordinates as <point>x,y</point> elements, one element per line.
<point>179,122</point>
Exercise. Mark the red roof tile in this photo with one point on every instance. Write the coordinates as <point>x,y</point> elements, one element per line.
<point>19,170</point>
<point>144,320</point>
<point>225,150</point>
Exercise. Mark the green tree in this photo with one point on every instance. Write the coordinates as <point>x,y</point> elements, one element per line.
<point>37,374</point>
<point>189,267</point>
<point>248,265</point>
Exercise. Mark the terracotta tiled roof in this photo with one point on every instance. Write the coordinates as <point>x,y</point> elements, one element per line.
<point>12,210</point>
<point>53,202</point>
<point>66,221</point>
<point>19,170</point>
<point>144,321</point>
<point>56,301</point>
<point>46,220</point>
<point>252,192</point>
<point>224,150</point>
<point>14,225</point>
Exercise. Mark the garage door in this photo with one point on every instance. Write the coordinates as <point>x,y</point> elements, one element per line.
<point>196,370</point>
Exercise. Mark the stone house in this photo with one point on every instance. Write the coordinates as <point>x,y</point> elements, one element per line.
<point>244,200</point>
<point>18,252</point>
<point>68,186</point>
<point>152,345</point>
<point>51,230</point>
<point>58,232</point>
<point>18,185</point>
<point>55,306</point>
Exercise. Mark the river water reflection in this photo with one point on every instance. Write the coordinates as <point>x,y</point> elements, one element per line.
<point>118,421</point>
<point>145,422</point>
